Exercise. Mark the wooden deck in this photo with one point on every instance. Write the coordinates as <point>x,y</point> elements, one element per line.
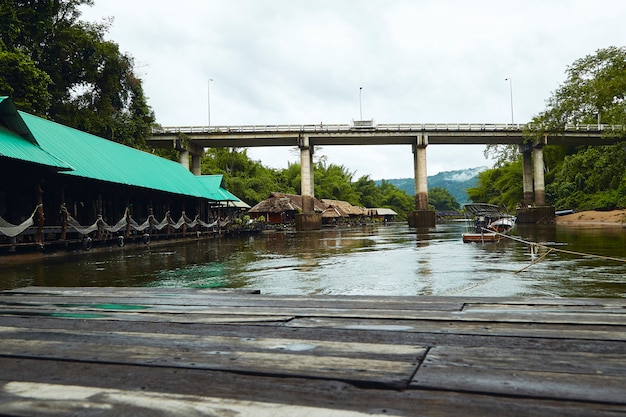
<point>172,352</point>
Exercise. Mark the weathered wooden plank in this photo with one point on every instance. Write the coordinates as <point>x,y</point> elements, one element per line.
<point>242,293</point>
<point>278,363</point>
<point>23,397</point>
<point>539,309</point>
<point>514,329</point>
<point>215,343</point>
<point>367,363</point>
<point>132,381</point>
<point>518,315</point>
<point>503,356</point>
<point>573,376</point>
<point>215,298</point>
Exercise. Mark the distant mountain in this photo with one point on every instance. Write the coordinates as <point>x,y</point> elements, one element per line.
<point>456,182</point>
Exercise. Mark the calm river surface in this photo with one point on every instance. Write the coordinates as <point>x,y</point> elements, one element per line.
<point>369,260</point>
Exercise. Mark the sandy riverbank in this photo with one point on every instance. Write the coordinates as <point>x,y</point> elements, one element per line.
<point>592,218</point>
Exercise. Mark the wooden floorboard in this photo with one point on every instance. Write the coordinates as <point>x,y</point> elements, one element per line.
<point>188,352</point>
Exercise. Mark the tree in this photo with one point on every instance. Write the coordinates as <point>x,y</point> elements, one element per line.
<point>247,179</point>
<point>442,200</point>
<point>501,186</point>
<point>580,178</point>
<point>594,92</point>
<point>91,85</point>
<point>335,182</point>
<point>369,193</point>
<point>26,84</point>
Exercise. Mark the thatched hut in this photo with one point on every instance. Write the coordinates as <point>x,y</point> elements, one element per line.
<point>282,208</point>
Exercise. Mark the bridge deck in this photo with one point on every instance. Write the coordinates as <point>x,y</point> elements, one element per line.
<point>380,134</point>
<point>140,351</point>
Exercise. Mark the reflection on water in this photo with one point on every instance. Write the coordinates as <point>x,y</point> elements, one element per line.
<point>371,260</point>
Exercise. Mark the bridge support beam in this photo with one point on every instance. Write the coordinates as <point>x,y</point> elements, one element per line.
<point>527,176</point>
<point>308,219</point>
<point>421,217</point>
<point>196,164</point>
<point>187,150</point>
<point>540,187</point>
<point>183,158</point>
<point>534,209</point>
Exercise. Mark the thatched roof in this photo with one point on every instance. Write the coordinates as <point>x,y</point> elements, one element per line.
<point>382,212</point>
<point>281,202</point>
<point>346,209</point>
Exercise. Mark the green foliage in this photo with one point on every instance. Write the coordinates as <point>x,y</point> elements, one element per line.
<point>252,182</point>
<point>84,81</point>
<point>442,200</point>
<point>595,89</point>
<point>334,182</point>
<point>370,194</point>
<point>500,186</point>
<point>247,179</point>
<point>583,178</point>
<point>593,178</point>
<point>26,84</point>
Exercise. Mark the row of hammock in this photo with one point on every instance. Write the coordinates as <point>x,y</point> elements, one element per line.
<point>12,230</point>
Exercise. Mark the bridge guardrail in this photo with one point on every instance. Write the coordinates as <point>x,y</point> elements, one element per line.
<point>400,127</point>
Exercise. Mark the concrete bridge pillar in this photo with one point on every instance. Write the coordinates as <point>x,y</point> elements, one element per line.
<point>308,219</point>
<point>527,175</point>
<point>184,158</point>
<point>539,212</point>
<point>540,188</point>
<point>189,149</point>
<point>196,162</point>
<point>421,217</point>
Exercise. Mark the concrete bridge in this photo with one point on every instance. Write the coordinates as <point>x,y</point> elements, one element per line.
<point>191,141</point>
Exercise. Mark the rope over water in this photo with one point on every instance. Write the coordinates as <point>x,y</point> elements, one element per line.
<point>551,249</point>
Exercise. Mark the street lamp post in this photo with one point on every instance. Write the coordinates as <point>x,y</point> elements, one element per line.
<point>209,99</point>
<point>360,104</point>
<point>510,80</point>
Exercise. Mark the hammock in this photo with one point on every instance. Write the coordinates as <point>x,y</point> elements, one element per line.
<point>207,225</point>
<point>118,226</point>
<point>143,226</point>
<point>164,222</point>
<point>12,230</point>
<point>83,230</point>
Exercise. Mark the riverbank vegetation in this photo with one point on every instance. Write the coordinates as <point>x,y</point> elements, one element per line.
<point>581,178</point>
<point>253,182</point>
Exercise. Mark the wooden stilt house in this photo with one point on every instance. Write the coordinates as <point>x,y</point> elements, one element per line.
<point>61,185</point>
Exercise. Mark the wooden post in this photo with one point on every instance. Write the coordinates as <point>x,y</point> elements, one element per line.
<point>40,216</point>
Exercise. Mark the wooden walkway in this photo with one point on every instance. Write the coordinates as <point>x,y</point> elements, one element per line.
<point>172,352</point>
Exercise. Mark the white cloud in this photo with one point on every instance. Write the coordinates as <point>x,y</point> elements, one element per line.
<point>302,62</point>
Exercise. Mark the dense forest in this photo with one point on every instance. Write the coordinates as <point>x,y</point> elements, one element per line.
<point>581,178</point>
<point>56,66</point>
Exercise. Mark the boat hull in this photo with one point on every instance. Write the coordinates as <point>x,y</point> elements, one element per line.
<point>480,237</point>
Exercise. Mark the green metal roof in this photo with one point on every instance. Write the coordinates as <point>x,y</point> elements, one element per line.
<point>100,159</point>
<point>215,186</point>
<point>35,140</point>
<point>17,142</point>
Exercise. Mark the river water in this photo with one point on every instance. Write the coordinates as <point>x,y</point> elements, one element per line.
<point>390,259</point>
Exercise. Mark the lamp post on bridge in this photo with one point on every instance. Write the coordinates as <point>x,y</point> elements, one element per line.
<point>209,99</point>
<point>510,80</point>
<point>360,104</point>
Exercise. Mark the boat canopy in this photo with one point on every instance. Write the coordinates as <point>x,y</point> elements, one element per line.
<point>482,209</point>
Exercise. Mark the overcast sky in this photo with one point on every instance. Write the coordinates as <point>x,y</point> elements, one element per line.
<point>303,62</point>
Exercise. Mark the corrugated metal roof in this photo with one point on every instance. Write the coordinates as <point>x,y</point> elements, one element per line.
<point>14,146</point>
<point>17,142</point>
<point>12,120</point>
<point>100,159</point>
<point>215,187</point>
